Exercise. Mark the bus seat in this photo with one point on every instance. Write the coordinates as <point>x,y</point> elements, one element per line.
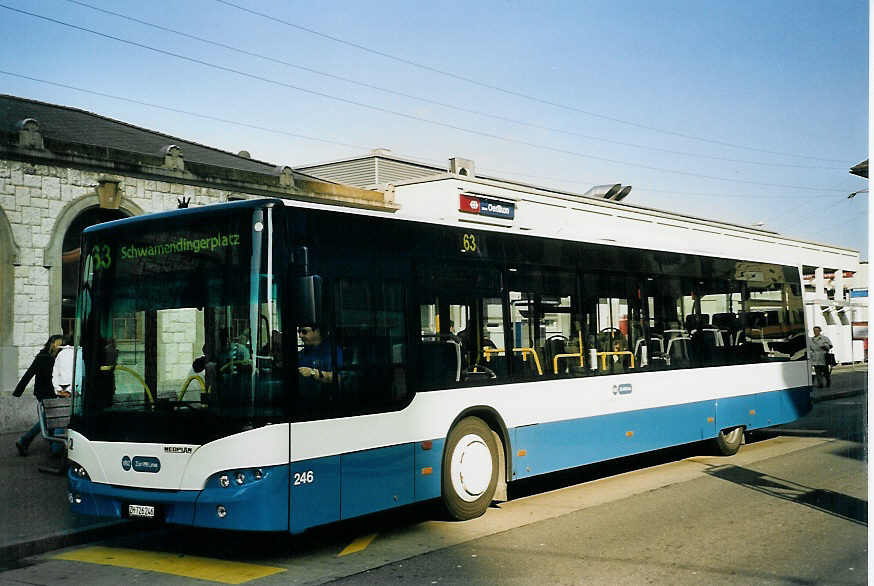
<point>655,349</point>
<point>551,348</point>
<point>441,363</point>
<point>499,365</point>
<point>677,352</point>
<point>726,321</point>
<point>728,324</point>
<point>696,321</point>
<point>671,334</point>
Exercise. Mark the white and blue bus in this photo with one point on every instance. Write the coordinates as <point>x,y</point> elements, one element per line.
<point>271,365</point>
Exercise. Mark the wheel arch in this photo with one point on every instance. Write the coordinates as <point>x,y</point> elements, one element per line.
<point>496,423</point>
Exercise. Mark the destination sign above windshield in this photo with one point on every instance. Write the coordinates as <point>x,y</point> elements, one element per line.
<point>481,206</point>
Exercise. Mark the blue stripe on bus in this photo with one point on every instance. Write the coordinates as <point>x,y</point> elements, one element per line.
<point>318,502</point>
<point>364,482</point>
<point>375,480</point>
<point>427,482</point>
<point>104,500</point>
<point>260,505</point>
<point>256,506</point>
<point>325,490</point>
<point>549,447</point>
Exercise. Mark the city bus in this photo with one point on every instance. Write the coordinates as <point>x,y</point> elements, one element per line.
<point>275,365</point>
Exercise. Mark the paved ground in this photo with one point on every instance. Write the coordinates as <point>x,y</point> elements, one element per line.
<point>36,516</point>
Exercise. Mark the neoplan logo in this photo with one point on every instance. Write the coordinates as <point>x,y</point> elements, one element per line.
<point>178,450</point>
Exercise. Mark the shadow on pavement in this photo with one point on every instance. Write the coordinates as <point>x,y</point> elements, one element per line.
<point>827,501</point>
<point>854,452</point>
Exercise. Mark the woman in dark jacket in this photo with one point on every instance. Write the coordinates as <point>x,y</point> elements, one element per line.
<point>41,368</point>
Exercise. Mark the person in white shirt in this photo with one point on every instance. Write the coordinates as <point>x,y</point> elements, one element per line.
<point>62,373</point>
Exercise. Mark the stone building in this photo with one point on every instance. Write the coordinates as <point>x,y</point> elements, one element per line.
<point>63,169</point>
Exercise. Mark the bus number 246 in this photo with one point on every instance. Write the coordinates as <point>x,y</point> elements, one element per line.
<point>303,477</point>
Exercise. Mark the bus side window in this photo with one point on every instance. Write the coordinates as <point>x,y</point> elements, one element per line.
<point>371,333</point>
<point>546,336</point>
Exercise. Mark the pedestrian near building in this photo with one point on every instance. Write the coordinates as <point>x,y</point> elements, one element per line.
<point>41,369</point>
<point>819,347</point>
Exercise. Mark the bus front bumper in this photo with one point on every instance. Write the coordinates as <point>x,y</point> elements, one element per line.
<point>260,505</point>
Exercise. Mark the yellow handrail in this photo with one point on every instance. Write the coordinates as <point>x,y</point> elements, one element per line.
<point>580,355</point>
<point>232,363</point>
<point>487,353</point>
<point>533,352</point>
<point>604,356</point>
<point>187,382</point>
<point>136,375</point>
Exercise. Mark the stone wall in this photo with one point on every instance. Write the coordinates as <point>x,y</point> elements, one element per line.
<point>39,202</point>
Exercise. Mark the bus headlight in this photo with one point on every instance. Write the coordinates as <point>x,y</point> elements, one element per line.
<point>79,471</point>
<point>238,477</point>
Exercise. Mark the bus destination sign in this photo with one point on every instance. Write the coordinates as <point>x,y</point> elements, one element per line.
<point>472,204</point>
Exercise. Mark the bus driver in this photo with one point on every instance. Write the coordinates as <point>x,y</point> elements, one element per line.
<point>314,361</point>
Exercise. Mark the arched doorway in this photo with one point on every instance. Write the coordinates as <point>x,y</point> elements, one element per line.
<point>70,253</point>
<point>63,276</point>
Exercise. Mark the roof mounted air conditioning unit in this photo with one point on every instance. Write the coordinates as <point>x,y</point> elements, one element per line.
<point>613,191</point>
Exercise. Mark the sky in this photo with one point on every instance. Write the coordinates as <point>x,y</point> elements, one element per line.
<point>750,112</point>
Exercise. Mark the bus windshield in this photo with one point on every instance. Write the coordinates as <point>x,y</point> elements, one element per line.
<point>176,330</point>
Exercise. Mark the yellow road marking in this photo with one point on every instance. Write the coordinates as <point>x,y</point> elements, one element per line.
<point>190,566</point>
<point>358,545</point>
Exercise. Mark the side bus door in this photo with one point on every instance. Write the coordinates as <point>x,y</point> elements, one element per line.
<point>314,491</point>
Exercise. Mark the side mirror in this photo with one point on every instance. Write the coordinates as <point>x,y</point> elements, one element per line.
<point>308,299</point>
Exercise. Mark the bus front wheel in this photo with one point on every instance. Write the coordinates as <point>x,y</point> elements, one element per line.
<point>728,441</point>
<point>470,469</point>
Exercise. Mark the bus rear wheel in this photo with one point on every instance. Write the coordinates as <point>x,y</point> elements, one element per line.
<point>470,469</point>
<point>728,441</point>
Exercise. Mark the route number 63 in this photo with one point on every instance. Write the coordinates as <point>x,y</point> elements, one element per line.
<point>303,477</point>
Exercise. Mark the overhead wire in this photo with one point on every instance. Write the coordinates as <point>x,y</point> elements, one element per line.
<point>437,102</point>
<point>181,111</point>
<point>359,147</point>
<point>767,221</point>
<point>821,213</point>
<point>400,114</point>
<point>513,92</point>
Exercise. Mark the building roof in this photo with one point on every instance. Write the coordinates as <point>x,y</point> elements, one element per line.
<point>381,166</point>
<point>371,170</point>
<point>71,125</point>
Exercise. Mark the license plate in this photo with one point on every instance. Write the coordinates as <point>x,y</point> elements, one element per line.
<point>144,511</point>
